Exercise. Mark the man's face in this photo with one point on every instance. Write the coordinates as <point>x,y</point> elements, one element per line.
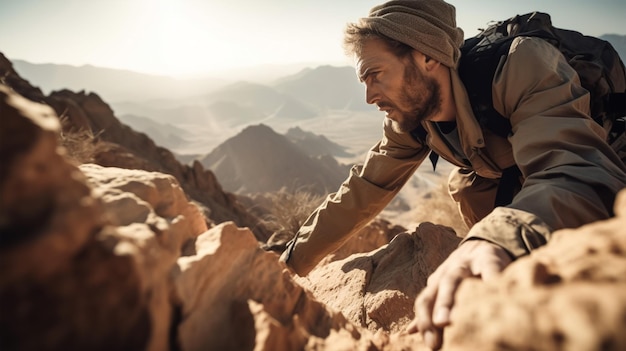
<point>397,86</point>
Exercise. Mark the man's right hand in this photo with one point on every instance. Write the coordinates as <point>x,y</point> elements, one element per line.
<point>474,258</point>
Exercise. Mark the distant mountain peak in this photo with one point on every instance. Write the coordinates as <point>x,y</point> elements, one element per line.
<point>258,159</point>
<point>258,128</point>
<point>315,145</point>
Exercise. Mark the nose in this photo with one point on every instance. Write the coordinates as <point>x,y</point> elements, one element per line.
<point>371,94</point>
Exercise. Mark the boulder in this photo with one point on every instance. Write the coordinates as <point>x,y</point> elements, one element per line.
<point>567,295</point>
<point>232,295</point>
<point>86,260</point>
<point>377,289</point>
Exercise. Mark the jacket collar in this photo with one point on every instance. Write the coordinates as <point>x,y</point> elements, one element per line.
<point>470,134</point>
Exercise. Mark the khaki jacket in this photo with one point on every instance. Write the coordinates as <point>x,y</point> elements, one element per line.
<point>570,174</point>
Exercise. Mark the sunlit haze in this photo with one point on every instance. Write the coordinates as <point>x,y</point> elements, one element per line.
<point>185,37</point>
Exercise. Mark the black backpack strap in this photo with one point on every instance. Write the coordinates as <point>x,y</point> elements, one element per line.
<point>509,182</point>
<point>615,103</point>
<point>477,68</point>
<point>480,59</point>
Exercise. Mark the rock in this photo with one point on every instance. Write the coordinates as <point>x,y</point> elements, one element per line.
<point>154,220</point>
<point>568,295</point>
<point>83,269</point>
<point>233,295</point>
<point>46,212</point>
<point>376,234</point>
<point>377,289</point>
<point>22,86</point>
<point>61,287</point>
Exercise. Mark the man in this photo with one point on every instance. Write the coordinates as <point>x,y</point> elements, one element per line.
<point>407,53</point>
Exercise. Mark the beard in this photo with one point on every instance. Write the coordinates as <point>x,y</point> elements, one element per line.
<point>421,94</point>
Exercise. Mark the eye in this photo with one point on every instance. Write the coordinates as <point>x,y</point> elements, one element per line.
<point>371,76</point>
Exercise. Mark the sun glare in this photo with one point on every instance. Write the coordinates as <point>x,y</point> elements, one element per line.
<point>188,37</point>
<point>178,38</point>
<point>168,38</point>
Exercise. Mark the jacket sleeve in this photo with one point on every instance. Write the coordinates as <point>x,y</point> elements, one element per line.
<point>366,192</point>
<point>571,176</point>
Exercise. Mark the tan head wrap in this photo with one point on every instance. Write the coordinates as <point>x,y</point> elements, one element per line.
<point>428,26</point>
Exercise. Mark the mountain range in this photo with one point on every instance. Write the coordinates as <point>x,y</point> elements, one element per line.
<point>302,99</point>
<point>316,145</point>
<point>111,84</point>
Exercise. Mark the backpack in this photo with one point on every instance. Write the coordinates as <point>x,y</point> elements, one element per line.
<point>598,65</point>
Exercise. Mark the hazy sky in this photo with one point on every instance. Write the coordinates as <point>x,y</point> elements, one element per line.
<point>176,37</point>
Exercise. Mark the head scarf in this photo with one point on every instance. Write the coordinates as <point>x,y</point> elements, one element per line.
<point>428,26</point>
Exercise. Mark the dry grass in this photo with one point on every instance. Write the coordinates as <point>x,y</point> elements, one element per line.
<point>80,146</point>
<point>286,213</point>
<point>289,210</point>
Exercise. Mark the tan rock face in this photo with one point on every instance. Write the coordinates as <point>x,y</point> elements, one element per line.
<point>377,289</point>
<point>233,295</point>
<point>83,271</point>
<point>375,235</point>
<point>60,287</point>
<point>40,193</point>
<point>568,295</point>
<point>153,220</point>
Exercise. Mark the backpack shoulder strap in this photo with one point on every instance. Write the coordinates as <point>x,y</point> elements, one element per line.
<point>481,56</point>
<point>477,68</point>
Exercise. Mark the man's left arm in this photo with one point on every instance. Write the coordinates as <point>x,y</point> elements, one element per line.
<point>571,175</point>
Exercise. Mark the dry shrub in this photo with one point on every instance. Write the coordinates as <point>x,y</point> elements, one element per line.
<point>80,146</point>
<point>287,211</point>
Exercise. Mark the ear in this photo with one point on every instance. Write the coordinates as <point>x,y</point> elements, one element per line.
<point>426,63</point>
<point>430,64</point>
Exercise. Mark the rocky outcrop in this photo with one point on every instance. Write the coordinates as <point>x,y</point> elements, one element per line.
<point>235,296</point>
<point>9,77</point>
<point>61,287</point>
<point>376,234</point>
<point>120,146</point>
<point>568,295</point>
<point>377,289</point>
